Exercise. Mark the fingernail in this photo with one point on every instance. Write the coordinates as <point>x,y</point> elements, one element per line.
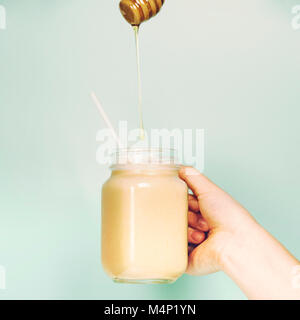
<point>203,225</point>
<point>197,236</point>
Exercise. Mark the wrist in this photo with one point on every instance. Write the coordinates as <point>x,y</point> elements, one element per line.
<point>239,247</point>
<point>259,264</point>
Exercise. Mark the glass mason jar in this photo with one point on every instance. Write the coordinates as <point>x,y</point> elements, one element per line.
<point>144,218</point>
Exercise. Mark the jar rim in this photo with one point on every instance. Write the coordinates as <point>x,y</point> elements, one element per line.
<point>145,156</point>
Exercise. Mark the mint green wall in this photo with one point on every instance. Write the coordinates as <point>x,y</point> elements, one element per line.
<point>231,67</point>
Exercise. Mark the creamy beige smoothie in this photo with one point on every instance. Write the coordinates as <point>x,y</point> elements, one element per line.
<point>144,224</point>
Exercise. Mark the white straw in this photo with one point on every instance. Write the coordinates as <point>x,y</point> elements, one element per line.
<point>106,119</point>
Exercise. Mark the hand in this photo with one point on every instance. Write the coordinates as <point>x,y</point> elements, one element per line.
<point>215,220</point>
<point>224,236</point>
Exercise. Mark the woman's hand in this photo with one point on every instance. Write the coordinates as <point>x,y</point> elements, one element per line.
<point>223,236</point>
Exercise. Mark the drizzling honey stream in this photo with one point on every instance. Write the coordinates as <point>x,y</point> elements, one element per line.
<point>135,12</point>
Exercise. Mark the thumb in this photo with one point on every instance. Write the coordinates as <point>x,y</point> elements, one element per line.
<point>216,206</point>
<point>197,182</point>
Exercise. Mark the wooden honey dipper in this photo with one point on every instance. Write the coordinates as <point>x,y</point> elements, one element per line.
<point>137,11</point>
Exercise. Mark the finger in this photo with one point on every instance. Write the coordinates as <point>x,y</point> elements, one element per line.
<point>196,181</point>
<point>217,207</point>
<point>196,221</point>
<point>201,260</point>
<point>193,203</point>
<point>195,236</point>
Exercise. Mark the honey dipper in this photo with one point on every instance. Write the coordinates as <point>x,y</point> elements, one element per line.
<point>138,11</point>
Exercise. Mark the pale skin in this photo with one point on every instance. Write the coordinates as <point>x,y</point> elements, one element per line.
<point>223,236</point>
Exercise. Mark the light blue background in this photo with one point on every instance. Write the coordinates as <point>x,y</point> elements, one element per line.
<point>231,67</point>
